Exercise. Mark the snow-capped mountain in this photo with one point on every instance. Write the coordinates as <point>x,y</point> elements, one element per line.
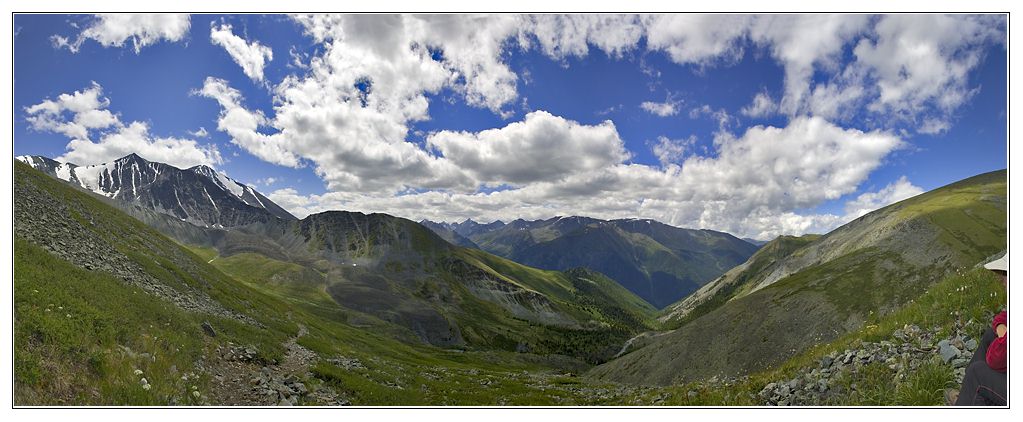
<point>199,195</point>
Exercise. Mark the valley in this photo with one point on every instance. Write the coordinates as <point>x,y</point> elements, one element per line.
<point>345,308</point>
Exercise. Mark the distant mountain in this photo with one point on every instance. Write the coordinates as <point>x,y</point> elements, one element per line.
<point>798,292</point>
<point>378,272</point>
<point>199,195</point>
<point>756,242</point>
<point>657,262</point>
<point>448,233</point>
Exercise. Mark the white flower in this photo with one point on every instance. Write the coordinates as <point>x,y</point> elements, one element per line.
<point>138,372</point>
<point>146,387</point>
<point>195,394</point>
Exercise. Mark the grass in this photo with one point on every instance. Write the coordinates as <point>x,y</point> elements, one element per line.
<point>966,298</point>
<point>80,335</point>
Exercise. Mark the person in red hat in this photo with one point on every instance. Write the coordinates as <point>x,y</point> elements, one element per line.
<point>985,381</point>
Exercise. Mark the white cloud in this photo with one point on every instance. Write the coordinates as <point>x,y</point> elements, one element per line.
<point>697,39</point>
<point>921,62</point>
<point>86,107</point>
<point>135,138</point>
<point>349,111</point>
<point>665,109</point>
<point>801,43</point>
<point>243,125</point>
<point>896,191</point>
<point>112,30</point>
<point>560,36</point>
<point>83,116</point>
<point>762,106</point>
<point>201,133</point>
<point>542,147</point>
<point>252,57</point>
<point>755,185</point>
<point>670,151</point>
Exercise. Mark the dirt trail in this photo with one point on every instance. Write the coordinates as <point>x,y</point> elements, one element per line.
<point>239,379</point>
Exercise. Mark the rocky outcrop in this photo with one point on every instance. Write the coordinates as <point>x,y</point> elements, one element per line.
<point>82,240</point>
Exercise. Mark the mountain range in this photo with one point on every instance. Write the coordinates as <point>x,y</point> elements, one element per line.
<point>198,195</point>
<point>795,293</point>
<point>657,262</point>
<point>382,309</point>
<point>383,271</point>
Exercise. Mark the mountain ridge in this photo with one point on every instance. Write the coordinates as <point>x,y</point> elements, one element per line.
<point>826,287</point>
<point>194,195</point>
<point>658,262</point>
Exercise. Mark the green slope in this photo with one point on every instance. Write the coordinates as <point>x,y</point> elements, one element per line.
<point>830,286</point>
<point>84,324</point>
<point>657,262</point>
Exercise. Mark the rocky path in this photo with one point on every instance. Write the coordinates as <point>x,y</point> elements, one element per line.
<point>239,378</point>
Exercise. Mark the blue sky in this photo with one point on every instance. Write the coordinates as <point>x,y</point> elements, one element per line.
<point>501,117</point>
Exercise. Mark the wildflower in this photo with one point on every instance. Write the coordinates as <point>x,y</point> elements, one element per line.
<point>195,388</point>
<point>195,394</point>
<point>138,372</point>
<point>146,387</point>
<point>69,315</point>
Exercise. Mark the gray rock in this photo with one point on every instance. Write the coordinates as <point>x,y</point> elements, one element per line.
<point>971,345</point>
<point>947,351</point>
<point>826,362</point>
<point>822,385</point>
<point>208,329</point>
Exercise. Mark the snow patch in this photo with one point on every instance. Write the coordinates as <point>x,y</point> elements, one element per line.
<point>90,177</point>
<point>235,187</point>
<point>63,172</point>
<point>210,198</point>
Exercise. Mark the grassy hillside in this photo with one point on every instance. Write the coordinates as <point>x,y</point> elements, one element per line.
<point>657,262</point>
<point>828,287</point>
<point>98,295</point>
<point>962,303</point>
<point>84,324</point>
<point>734,283</point>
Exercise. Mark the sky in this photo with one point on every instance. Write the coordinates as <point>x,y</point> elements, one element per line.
<point>757,125</point>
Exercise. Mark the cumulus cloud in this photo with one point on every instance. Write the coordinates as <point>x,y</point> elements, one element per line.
<point>665,109</point>
<point>135,138</point>
<point>542,147</point>
<point>921,62</point>
<point>755,185</point>
<point>113,30</point>
<point>697,39</point>
<point>670,151</point>
<point>83,116</point>
<point>896,191</point>
<point>803,43</point>
<point>243,125</point>
<point>86,108</point>
<point>252,57</point>
<point>348,115</point>
<point>560,36</point>
<point>762,106</point>
<point>909,69</point>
